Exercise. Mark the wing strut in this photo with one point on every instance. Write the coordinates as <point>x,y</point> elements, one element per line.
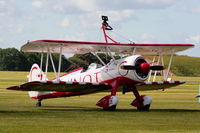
<point>110,53</point>
<point>170,62</point>
<point>95,54</point>
<point>47,63</point>
<point>134,51</point>
<point>162,61</point>
<point>151,70</point>
<point>155,73</point>
<point>41,62</point>
<point>60,59</point>
<point>53,65</point>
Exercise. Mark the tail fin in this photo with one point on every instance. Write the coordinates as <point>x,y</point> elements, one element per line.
<point>36,74</point>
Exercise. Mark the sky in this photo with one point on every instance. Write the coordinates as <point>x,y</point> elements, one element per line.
<point>141,21</point>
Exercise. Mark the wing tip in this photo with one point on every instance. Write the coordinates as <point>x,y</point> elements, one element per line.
<point>14,88</point>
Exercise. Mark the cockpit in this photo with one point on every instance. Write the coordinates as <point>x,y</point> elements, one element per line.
<point>93,66</point>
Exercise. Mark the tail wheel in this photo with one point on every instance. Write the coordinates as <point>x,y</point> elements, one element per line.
<point>39,103</point>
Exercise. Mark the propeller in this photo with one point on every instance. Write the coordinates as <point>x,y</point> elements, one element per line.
<point>143,67</point>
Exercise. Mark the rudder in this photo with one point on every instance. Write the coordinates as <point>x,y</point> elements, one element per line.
<point>36,74</point>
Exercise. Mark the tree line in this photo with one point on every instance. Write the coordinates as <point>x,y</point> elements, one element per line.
<point>11,59</point>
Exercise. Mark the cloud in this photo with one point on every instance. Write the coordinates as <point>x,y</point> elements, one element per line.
<point>37,4</point>
<point>91,20</point>
<point>82,6</point>
<point>19,28</point>
<point>195,10</point>
<point>117,15</point>
<point>146,38</point>
<point>65,22</point>
<point>194,39</point>
<point>6,8</point>
<point>135,4</point>
<point>15,28</point>
<point>74,37</point>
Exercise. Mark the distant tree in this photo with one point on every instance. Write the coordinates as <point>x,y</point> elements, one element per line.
<point>84,60</point>
<point>12,60</point>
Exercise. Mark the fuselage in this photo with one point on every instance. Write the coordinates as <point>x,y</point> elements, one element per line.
<point>94,74</point>
<point>107,73</point>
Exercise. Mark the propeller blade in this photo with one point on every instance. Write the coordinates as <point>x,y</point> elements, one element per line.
<point>198,96</point>
<point>128,67</point>
<point>157,68</point>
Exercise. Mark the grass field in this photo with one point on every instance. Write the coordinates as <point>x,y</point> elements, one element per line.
<point>172,110</point>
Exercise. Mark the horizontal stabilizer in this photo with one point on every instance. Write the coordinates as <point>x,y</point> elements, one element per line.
<point>147,85</point>
<point>61,86</point>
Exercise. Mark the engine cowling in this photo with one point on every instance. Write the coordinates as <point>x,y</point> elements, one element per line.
<point>142,68</point>
<point>137,68</point>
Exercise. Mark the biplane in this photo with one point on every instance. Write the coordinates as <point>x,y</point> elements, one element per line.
<point>130,73</point>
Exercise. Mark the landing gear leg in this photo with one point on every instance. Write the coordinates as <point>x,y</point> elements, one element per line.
<point>109,102</point>
<point>142,102</point>
<point>39,103</point>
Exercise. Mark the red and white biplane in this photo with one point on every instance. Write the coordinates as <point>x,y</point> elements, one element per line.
<point>127,74</point>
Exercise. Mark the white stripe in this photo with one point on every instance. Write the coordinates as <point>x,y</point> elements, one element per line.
<point>95,83</point>
<point>55,82</point>
<point>148,83</point>
<point>82,83</point>
<point>69,82</point>
<point>43,81</point>
<point>160,82</point>
<point>171,82</point>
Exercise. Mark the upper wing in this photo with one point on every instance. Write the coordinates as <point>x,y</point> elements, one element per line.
<point>61,86</point>
<point>79,47</point>
<point>157,85</point>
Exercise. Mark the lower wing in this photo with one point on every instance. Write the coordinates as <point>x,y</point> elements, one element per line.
<point>61,86</point>
<point>86,88</point>
<point>157,85</point>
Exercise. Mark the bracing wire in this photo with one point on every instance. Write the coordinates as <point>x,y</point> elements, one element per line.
<point>122,36</point>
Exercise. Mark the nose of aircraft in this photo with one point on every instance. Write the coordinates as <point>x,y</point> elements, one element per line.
<point>144,67</point>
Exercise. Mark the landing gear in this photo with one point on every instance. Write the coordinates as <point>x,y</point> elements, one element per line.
<point>112,108</point>
<point>39,103</point>
<point>142,102</point>
<point>108,103</point>
<point>144,108</point>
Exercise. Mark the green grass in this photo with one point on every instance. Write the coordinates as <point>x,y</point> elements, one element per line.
<point>172,110</point>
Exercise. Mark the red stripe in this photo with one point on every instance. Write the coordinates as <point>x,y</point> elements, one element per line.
<point>165,82</point>
<point>154,83</point>
<point>70,72</point>
<point>102,43</point>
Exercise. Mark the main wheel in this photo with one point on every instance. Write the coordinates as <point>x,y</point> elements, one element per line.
<point>144,108</point>
<point>112,108</point>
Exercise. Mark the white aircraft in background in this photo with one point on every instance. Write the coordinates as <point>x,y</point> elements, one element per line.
<point>128,74</point>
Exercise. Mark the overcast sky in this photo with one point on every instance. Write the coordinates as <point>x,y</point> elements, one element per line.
<point>142,21</point>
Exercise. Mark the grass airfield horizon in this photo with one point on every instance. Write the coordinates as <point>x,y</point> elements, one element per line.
<point>173,110</point>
